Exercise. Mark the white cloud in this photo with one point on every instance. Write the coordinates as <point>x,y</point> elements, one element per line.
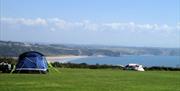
<point>59,24</point>
<point>25,21</point>
<point>87,25</point>
<point>178,26</point>
<point>145,26</point>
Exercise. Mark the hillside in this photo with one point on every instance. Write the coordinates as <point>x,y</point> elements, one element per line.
<point>9,48</point>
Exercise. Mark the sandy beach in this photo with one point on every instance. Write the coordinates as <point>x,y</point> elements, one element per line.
<point>63,59</point>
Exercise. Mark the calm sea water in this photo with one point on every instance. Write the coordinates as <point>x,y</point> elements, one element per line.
<point>148,61</point>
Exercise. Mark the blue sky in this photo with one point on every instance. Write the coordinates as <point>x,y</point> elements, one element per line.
<point>149,23</point>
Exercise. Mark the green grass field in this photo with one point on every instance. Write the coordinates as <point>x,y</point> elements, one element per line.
<point>92,80</point>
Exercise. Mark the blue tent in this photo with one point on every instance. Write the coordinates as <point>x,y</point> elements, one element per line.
<point>30,62</point>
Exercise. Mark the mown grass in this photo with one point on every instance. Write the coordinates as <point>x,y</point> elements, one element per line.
<point>92,80</point>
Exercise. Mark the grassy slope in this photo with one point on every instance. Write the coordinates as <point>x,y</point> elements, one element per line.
<point>92,80</point>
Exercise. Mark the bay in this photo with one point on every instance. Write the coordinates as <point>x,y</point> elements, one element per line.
<point>148,61</point>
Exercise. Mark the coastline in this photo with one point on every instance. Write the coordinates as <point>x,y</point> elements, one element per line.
<point>63,58</point>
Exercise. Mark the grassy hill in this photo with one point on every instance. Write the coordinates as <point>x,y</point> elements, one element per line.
<point>92,80</point>
<point>9,48</point>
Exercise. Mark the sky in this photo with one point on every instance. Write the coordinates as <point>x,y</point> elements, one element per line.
<point>140,23</point>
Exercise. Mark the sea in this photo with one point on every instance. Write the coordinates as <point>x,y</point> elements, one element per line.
<point>146,61</point>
